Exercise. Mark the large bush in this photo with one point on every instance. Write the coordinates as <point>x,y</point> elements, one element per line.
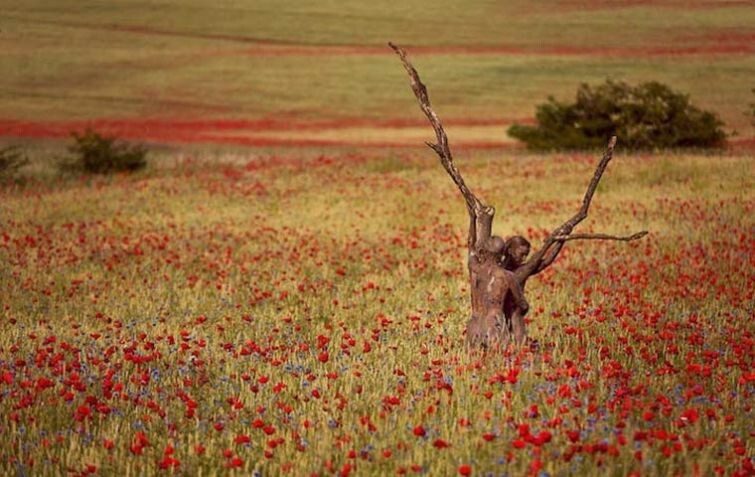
<point>11,160</point>
<point>648,116</point>
<point>98,154</point>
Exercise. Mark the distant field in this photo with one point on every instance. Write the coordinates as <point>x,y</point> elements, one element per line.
<point>306,63</point>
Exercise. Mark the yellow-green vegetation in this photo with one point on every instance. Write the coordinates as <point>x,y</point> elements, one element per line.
<point>302,311</point>
<point>313,60</point>
<point>296,315</point>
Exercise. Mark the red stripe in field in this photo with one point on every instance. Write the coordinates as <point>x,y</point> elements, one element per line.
<point>242,131</point>
<point>665,4</point>
<point>747,144</point>
<point>245,132</point>
<point>267,124</point>
<point>270,142</point>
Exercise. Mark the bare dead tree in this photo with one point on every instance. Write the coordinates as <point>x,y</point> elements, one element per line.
<point>488,254</point>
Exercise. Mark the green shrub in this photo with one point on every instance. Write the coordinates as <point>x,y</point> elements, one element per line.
<point>11,160</point>
<point>97,154</point>
<point>648,116</point>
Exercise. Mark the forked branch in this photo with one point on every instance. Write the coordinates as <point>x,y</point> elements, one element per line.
<point>441,146</point>
<point>555,241</point>
<point>480,214</point>
<point>567,226</point>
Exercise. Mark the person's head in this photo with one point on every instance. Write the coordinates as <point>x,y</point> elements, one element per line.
<point>495,247</point>
<point>516,248</point>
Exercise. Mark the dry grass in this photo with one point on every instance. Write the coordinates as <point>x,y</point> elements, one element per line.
<point>326,297</point>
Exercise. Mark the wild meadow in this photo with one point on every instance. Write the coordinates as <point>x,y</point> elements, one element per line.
<point>304,315</point>
<point>284,289</point>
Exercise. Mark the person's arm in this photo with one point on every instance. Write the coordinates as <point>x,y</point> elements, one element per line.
<point>484,225</point>
<point>472,236</point>
<point>549,257</point>
<point>517,293</point>
<point>532,266</point>
<point>480,229</point>
<point>538,261</point>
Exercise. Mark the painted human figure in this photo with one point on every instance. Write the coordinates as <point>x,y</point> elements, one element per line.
<point>494,289</point>
<point>498,272</point>
<point>516,250</point>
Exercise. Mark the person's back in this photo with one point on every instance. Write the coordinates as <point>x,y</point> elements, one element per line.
<point>479,276</point>
<point>495,287</point>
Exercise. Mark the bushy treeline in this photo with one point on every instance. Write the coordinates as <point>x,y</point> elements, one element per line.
<point>12,159</point>
<point>97,154</point>
<point>647,116</point>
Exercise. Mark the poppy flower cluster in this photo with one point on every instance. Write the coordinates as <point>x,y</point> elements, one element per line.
<point>238,319</point>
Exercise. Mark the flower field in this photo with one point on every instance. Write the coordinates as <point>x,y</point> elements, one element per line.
<point>302,314</point>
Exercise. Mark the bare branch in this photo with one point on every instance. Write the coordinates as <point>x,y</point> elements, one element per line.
<point>476,209</point>
<point>567,226</point>
<point>626,238</point>
<point>554,242</point>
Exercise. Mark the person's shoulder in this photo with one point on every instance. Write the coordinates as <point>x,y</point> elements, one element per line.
<point>475,259</point>
<point>501,272</point>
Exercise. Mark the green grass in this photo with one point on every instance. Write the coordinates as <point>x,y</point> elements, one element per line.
<point>416,21</point>
<point>70,63</point>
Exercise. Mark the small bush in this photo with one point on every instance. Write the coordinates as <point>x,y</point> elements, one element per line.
<point>648,116</point>
<point>11,160</point>
<point>97,154</point>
